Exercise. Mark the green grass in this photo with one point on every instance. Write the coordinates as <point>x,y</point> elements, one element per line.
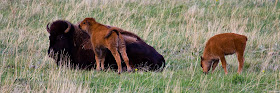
<point>178,29</point>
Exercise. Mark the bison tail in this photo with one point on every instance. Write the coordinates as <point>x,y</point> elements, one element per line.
<point>111,31</point>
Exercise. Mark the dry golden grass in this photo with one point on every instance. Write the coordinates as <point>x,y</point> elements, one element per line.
<point>178,29</point>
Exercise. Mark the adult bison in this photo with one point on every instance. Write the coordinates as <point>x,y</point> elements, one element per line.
<point>69,44</point>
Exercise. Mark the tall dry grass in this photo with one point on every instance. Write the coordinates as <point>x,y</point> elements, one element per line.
<point>177,29</point>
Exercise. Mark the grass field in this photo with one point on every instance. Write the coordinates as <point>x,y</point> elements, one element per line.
<point>178,29</point>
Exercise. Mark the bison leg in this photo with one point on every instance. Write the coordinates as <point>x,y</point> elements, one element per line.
<point>214,65</point>
<point>224,64</point>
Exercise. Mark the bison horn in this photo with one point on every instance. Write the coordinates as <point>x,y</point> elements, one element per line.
<point>68,29</point>
<point>48,29</point>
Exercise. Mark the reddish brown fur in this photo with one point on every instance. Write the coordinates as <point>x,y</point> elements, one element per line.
<point>128,36</point>
<point>102,38</point>
<point>220,45</point>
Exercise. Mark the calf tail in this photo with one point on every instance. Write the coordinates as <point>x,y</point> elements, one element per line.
<point>111,31</point>
<point>121,42</point>
<point>245,37</point>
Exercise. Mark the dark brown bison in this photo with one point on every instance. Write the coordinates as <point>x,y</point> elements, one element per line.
<point>220,45</point>
<point>68,42</point>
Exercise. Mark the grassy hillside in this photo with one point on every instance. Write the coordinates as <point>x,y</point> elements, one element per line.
<point>178,29</point>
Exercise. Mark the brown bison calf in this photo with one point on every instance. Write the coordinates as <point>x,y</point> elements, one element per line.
<point>220,45</point>
<point>103,38</point>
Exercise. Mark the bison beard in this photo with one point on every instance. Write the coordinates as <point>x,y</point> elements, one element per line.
<point>73,46</point>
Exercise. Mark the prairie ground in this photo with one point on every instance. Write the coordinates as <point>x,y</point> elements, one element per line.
<point>177,29</point>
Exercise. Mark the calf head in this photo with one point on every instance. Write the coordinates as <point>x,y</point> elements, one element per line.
<point>87,23</point>
<point>206,64</point>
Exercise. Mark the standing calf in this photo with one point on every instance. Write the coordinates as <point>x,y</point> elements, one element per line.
<point>220,45</point>
<point>103,38</point>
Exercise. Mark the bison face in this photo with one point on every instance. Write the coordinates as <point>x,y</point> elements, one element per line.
<point>61,41</point>
<point>205,64</point>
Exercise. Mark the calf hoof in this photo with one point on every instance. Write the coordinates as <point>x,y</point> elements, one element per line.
<point>119,71</point>
<point>98,69</point>
<point>129,70</point>
<point>226,73</point>
<point>102,69</point>
<point>205,73</point>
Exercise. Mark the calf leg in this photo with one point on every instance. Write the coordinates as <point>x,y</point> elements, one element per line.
<point>99,57</point>
<point>240,48</point>
<point>224,64</point>
<point>97,62</point>
<point>116,55</point>
<point>241,62</point>
<point>103,55</point>
<point>122,47</point>
<point>214,65</point>
<point>125,58</point>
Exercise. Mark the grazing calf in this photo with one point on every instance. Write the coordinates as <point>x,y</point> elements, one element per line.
<point>103,38</point>
<point>220,45</point>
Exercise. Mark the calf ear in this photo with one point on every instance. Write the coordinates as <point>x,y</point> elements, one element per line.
<point>48,29</point>
<point>201,58</point>
<point>90,20</point>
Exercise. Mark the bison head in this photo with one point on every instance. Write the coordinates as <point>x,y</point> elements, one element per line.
<point>60,40</point>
